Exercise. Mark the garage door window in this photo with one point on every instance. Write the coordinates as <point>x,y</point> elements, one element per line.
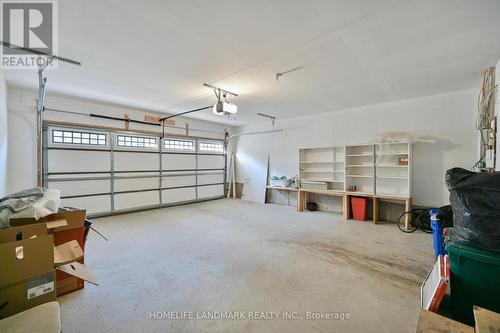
<point>136,141</point>
<point>79,138</point>
<point>173,144</point>
<point>211,147</point>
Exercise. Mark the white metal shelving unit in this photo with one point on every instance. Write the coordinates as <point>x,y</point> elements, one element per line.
<point>360,168</point>
<point>393,178</point>
<point>374,168</point>
<point>323,165</point>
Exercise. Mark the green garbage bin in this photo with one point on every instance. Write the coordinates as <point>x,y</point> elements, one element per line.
<point>475,280</point>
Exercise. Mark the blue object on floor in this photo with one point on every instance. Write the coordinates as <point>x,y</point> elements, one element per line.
<point>437,233</point>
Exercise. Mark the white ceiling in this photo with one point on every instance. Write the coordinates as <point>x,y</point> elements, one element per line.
<point>156,54</point>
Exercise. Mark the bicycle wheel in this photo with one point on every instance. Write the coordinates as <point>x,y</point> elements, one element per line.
<point>413,215</point>
<point>424,222</point>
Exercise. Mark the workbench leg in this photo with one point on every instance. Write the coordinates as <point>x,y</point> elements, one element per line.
<point>346,207</point>
<point>408,216</point>
<point>375,210</point>
<point>300,201</point>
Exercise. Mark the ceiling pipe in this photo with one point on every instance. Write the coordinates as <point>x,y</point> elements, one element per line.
<point>255,133</point>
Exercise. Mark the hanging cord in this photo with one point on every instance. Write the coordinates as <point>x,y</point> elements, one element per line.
<point>484,105</point>
<point>485,110</point>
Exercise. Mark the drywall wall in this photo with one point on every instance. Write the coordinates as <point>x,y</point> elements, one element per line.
<point>254,186</point>
<point>21,166</point>
<point>3,136</point>
<point>446,119</point>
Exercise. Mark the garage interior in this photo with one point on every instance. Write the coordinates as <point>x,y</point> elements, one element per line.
<point>249,166</point>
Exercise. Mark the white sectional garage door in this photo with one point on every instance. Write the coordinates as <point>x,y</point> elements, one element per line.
<point>107,172</point>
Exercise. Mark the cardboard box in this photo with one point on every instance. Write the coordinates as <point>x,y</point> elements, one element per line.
<point>430,322</point>
<point>29,260</point>
<point>28,274</point>
<point>27,231</point>
<point>66,260</point>
<point>74,230</point>
<point>65,226</point>
<point>74,219</point>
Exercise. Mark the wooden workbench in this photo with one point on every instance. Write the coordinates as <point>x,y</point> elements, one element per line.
<point>304,196</point>
<point>376,203</point>
<point>346,197</point>
<point>284,189</point>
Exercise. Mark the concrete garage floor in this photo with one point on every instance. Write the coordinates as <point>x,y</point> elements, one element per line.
<point>232,255</point>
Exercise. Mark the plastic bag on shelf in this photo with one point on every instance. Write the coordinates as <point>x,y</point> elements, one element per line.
<point>475,201</point>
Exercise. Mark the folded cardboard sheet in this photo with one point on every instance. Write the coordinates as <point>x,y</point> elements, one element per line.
<point>60,222</point>
<point>67,252</point>
<point>78,270</point>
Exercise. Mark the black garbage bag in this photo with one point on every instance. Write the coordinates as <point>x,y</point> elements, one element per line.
<point>475,201</point>
<point>446,216</point>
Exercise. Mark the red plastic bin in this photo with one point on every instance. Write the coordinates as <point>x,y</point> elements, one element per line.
<point>359,208</point>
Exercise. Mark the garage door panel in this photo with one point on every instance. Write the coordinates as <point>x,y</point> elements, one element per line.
<point>210,191</point>
<point>97,204</point>
<point>178,161</point>
<point>179,195</point>
<point>127,161</point>
<point>80,187</point>
<point>78,161</point>
<point>136,184</point>
<point>175,181</point>
<point>210,162</point>
<point>210,178</point>
<point>137,199</point>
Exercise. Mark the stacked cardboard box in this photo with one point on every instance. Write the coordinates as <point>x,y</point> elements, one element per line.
<point>40,259</point>
<point>28,272</point>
